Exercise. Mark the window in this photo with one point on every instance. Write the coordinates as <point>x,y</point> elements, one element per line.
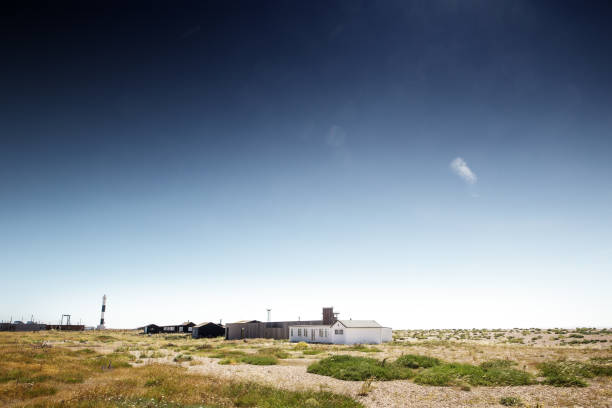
<point>299,332</point>
<point>325,332</point>
<point>181,328</point>
<point>320,332</point>
<point>305,332</point>
<point>292,332</point>
<point>339,331</point>
<point>190,329</point>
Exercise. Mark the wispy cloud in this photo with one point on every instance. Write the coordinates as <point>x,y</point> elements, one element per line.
<point>460,168</point>
<point>336,137</point>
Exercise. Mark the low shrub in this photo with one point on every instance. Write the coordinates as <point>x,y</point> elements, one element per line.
<point>417,361</point>
<point>302,345</point>
<point>352,368</point>
<point>182,357</point>
<point>456,374</point>
<point>565,373</point>
<point>511,402</point>
<point>498,364</point>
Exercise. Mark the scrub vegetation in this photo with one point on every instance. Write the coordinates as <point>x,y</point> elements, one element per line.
<point>573,373</point>
<point>419,368</point>
<point>36,374</point>
<point>351,368</point>
<point>424,369</point>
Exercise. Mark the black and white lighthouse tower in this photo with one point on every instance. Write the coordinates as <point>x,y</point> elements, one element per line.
<point>101,325</point>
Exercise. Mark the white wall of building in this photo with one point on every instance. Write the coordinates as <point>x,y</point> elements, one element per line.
<point>387,334</point>
<point>310,334</point>
<point>363,335</point>
<point>339,334</point>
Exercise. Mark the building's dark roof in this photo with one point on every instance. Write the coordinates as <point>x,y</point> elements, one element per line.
<point>207,323</point>
<point>246,321</point>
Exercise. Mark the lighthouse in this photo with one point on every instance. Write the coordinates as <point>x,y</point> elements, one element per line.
<point>101,326</point>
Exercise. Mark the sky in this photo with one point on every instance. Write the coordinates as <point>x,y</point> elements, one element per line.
<point>427,164</point>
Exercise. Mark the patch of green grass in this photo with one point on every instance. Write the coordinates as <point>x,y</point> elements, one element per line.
<point>352,368</point>
<point>253,395</point>
<point>497,364</point>
<point>236,357</point>
<point>228,354</point>
<point>565,373</point>
<point>417,361</point>
<point>448,374</point>
<point>363,348</point>
<point>312,352</point>
<point>457,374</point>
<point>256,359</point>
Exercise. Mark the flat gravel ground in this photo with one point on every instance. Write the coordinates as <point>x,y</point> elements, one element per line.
<point>292,375</point>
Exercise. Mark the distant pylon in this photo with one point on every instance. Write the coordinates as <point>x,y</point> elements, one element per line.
<point>101,325</point>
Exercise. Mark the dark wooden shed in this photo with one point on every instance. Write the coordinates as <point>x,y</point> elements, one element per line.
<point>184,327</point>
<point>207,329</point>
<point>152,329</point>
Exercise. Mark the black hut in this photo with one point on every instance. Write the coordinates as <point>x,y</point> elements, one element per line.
<point>207,329</point>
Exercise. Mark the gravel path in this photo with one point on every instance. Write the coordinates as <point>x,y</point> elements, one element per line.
<point>292,375</point>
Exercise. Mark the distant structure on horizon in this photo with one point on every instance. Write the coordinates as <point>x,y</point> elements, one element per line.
<point>101,326</point>
<point>342,332</point>
<point>272,330</point>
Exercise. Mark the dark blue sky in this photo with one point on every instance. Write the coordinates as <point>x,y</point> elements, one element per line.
<point>170,146</point>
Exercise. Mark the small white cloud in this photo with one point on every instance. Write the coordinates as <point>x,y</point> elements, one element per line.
<point>460,168</point>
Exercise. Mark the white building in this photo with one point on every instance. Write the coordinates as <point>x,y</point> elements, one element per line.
<point>342,332</point>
